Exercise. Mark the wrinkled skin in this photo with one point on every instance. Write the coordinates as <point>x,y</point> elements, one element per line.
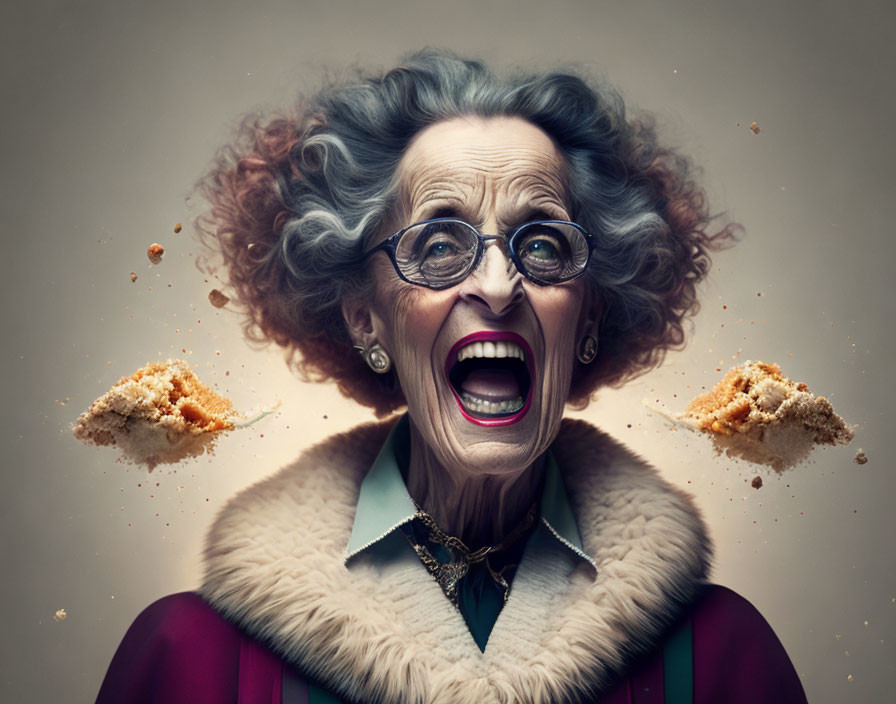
<point>495,173</point>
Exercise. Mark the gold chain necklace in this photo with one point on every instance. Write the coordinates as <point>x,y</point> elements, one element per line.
<point>448,574</point>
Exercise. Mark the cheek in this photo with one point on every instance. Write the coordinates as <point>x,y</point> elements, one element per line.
<point>409,320</point>
<point>559,309</point>
<point>559,315</point>
<point>400,307</point>
<point>391,300</point>
<point>559,363</point>
<point>416,318</point>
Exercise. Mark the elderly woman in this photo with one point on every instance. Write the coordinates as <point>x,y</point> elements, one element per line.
<point>481,251</point>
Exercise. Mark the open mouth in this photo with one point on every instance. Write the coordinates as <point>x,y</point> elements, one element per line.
<point>491,375</point>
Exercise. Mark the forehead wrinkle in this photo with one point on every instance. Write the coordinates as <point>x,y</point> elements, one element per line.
<point>467,195</point>
<point>430,181</point>
<point>441,189</point>
<point>528,192</point>
<point>453,160</point>
<point>504,153</point>
<point>477,191</point>
<point>473,178</point>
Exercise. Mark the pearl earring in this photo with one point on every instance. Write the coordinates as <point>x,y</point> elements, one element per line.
<point>587,350</point>
<point>376,357</point>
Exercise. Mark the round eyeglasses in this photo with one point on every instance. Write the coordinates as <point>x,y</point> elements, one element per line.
<point>442,252</point>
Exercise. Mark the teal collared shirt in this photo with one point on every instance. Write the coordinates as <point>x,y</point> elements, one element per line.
<point>384,505</point>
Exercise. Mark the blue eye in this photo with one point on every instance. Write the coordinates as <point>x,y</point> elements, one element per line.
<point>542,249</point>
<point>440,249</point>
<point>435,252</point>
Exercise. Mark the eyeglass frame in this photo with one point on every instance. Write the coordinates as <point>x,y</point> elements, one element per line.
<point>389,245</point>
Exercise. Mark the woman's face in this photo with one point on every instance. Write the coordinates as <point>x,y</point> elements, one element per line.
<point>481,414</point>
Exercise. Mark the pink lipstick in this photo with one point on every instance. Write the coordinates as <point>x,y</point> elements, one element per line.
<point>491,374</point>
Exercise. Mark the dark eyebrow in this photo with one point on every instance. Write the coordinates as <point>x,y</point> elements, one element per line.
<point>442,211</point>
<point>445,211</point>
<point>529,214</point>
<point>521,217</point>
<point>539,214</point>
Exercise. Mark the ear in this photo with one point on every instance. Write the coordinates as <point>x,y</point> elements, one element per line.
<point>591,316</point>
<point>358,319</point>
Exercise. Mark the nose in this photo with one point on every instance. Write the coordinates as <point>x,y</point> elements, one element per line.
<point>495,285</point>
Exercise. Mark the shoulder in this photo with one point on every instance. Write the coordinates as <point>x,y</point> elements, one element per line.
<point>591,460</point>
<point>737,656</point>
<point>721,608</point>
<point>178,649</point>
<point>333,467</point>
<point>723,619</point>
<point>184,618</point>
<point>630,518</point>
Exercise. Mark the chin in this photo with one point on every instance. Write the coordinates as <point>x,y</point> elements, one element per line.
<point>497,448</point>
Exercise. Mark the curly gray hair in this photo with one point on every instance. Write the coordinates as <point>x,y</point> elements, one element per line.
<point>295,198</point>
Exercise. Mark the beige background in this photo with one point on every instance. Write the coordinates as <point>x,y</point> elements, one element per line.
<point>113,110</point>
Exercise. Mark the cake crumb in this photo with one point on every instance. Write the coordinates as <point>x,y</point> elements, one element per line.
<point>217,299</point>
<point>756,483</point>
<point>59,615</point>
<point>155,252</point>
<point>861,457</point>
<point>178,228</point>
<point>754,128</point>
<point>133,277</point>
<point>160,414</point>
<point>758,414</point>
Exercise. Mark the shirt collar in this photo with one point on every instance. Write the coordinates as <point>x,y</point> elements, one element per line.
<point>384,503</point>
<point>556,513</point>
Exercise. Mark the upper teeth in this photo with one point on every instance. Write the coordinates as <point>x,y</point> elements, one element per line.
<point>487,348</point>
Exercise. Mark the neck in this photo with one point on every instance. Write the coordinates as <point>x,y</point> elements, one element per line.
<point>480,509</point>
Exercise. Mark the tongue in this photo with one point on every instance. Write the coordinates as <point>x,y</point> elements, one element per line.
<point>493,384</point>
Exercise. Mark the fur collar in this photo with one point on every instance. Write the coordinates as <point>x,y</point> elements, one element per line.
<point>274,566</point>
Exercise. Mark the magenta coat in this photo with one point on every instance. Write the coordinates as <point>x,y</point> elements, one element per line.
<point>181,651</point>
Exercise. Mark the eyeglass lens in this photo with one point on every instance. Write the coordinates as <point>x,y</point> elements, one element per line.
<point>441,254</point>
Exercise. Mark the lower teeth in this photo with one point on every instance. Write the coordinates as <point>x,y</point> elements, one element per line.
<point>490,408</point>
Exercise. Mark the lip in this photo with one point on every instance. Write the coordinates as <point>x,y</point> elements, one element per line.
<point>492,336</point>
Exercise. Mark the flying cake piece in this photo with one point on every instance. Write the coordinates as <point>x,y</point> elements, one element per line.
<point>758,414</point>
<point>160,414</point>
<point>155,253</point>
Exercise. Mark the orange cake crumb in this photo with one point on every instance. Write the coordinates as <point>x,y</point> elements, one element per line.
<point>155,253</point>
<point>160,414</point>
<point>757,413</point>
<point>217,299</point>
